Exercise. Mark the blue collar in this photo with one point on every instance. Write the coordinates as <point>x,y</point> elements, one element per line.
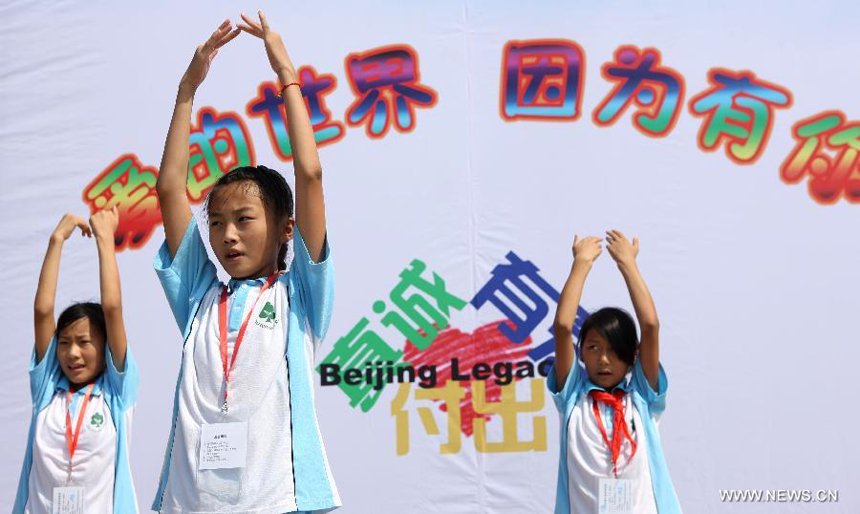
<point>624,385</point>
<point>64,385</point>
<point>235,283</point>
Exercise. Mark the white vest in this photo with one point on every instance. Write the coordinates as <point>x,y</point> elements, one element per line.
<point>589,459</point>
<point>258,393</point>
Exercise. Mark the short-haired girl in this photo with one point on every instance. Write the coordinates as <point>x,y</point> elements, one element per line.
<point>611,459</point>
<point>244,434</point>
<point>83,382</point>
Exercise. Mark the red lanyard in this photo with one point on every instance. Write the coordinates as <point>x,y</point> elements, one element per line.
<point>72,440</point>
<point>222,325</point>
<point>619,425</point>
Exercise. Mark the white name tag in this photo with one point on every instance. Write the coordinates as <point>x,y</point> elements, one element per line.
<point>615,496</point>
<point>68,500</point>
<point>223,445</point>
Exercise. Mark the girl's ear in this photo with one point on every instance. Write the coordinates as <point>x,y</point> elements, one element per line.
<point>288,228</point>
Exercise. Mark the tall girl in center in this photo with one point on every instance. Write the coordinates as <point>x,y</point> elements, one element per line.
<point>244,434</point>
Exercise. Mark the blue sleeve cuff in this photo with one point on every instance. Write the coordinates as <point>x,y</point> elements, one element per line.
<point>571,385</point>
<point>163,262</point>
<point>315,282</point>
<point>186,276</point>
<point>123,382</point>
<point>44,374</point>
<point>656,400</point>
<point>302,253</point>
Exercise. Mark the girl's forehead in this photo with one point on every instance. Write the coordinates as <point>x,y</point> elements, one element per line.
<point>81,327</point>
<point>236,195</point>
<point>595,336</point>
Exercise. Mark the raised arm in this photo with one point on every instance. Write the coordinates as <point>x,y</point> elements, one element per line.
<point>624,253</point>
<point>46,292</point>
<point>585,251</point>
<point>310,204</point>
<point>173,174</point>
<point>104,224</point>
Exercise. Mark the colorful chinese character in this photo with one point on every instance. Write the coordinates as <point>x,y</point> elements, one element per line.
<point>512,274</point>
<point>386,80</point>
<point>218,144</point>
<point>361,350</point>
<point>739,108</point>
<point>417,307</point>
<point>830,178</point>
<point>131,186</point>
<point>270,106</point>
<point>639,77</point>
<point>541,80</point>
<point>498,292</point>
<point>450,394</point>
<point>508,407</point>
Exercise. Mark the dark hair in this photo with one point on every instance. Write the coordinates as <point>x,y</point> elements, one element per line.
<point>90,310</point>
<point>274,192</point>
<point>617,327</point>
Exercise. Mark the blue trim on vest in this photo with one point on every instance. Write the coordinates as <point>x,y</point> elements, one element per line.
<point>313,489</point>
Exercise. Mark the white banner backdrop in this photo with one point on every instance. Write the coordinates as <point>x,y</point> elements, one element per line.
<point>520,124</point>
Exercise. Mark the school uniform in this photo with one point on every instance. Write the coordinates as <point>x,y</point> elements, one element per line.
<point>585,459</point>
<point>101,458</point>
<point>270,390</point>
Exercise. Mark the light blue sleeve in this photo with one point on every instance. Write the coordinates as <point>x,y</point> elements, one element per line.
<point>186,277</point>
<point>571,386</point>
<point>656,400</point>
<point>315,281</point>
<point>44,375</point>
<point>123,383</point>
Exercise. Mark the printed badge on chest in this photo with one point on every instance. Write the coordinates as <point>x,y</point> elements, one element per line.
<point>615,496</point>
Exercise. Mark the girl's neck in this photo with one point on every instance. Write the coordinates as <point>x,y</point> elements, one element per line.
<point>265,272</point>
<point>77,387</point>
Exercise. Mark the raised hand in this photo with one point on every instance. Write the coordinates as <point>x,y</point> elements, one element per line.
<point>620,248</point>
<point>105,222</point>
<point>275,49</point>
<point>67,225</point>
<point>624,253</point>
<point>199,67</point>
<point>586,249</point>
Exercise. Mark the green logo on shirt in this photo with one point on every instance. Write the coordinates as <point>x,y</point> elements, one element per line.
<point>267,316</point>
<point>268,312</point>
<point>96,421</point>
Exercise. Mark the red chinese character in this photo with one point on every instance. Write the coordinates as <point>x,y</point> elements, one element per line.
<point>131,186</point>
<point>827,150</point>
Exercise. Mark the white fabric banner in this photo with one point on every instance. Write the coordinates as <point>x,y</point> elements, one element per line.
<point>464,144</point>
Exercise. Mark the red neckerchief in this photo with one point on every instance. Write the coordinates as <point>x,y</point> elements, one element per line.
<point>619,424</point>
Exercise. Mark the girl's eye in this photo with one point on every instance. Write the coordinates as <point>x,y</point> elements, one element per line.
<point>214,223</point>
<point>245,218</point>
